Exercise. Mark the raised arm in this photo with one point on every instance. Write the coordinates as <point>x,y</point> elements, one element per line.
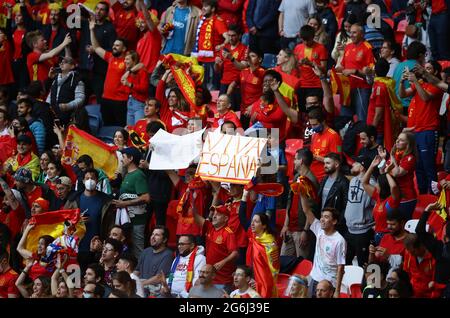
<point>292,114</point>
<point>366,178</point>
<point>148,20</point>
<point>199,220</point>
<point>243,211</point>
<point>95,45</point>
<point>423,94</point>
<point>328,101</point>
<point>9,195</point>
<point>26,254</point>
<point>54,52</point>
<point>173,176</point>
<point>20,282</point>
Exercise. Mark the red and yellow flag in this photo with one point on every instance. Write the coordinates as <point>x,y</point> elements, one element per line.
<point>340,85</point>
<point>264,255</point>
<point>438,218</point>
<point>8,147</point>
<point>79,142</point>
<point>52,223</point>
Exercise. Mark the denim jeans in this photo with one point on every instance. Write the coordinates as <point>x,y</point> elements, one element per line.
<point>359,103</point>
<point>407,209</point>
<point>135,111</point>
<point>427,142</point>
<point>438,33</point>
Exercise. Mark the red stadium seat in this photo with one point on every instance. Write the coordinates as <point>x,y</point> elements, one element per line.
<point>422,201</point>
<point>282,284</point>
<point>355,291</point>
<point>303,268</point>
<point>344,295</point>
<point>292,145</point>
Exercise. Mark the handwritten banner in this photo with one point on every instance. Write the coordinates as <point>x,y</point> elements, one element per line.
<point>227,158</point>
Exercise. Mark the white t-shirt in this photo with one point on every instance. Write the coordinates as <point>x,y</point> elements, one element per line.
<point>296,13</point>
<point>249,293</point>
<point>330,252</point>
<point>139,287</point>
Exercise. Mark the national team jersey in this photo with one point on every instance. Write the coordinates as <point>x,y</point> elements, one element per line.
<point>358,56</point>
<point>317,54</point>
<point>113,88</point>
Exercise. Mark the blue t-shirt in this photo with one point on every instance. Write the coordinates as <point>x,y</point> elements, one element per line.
<point>265,204</point>
<point>175,42</point>
<point>397,77</point>
<point>93,205</point>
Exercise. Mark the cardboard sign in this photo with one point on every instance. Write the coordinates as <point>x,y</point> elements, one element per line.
<point>227,158</point>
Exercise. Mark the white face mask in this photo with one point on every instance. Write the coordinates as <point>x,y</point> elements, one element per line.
<point>90,184</point>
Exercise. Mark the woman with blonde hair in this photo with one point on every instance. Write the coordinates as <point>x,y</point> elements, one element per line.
<point>298,287</point>
<point>287,63</point>
<point>401,166</point>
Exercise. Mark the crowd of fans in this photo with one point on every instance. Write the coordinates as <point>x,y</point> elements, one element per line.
<point>356,91</point>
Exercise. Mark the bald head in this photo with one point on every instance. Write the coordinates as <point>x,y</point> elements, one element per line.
<point>324,289</point>
<point>356,33</point>
<point>207,274</point>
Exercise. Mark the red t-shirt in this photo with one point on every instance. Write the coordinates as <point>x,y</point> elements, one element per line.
<point>378,99</point>
<point>251,86</point>
<point>113,88</point>
<point>228,116</point>
<point>230,72</point>
<point>13,220</point>
<point>210,35</point>
<point>357,56</point>
<point>230,11</point>
<point>148,48</point>
<point>125,25</point>
<point>5,64</point>
<point>321,145</point>
<point>317,53</point>
<point>141,129</point>
<point>33,195</point>
<point>438,6</point>
<point>295,72</point>
<point>425,115</point>
<point>8,284</point>
<point>381,209</point>
<point>271,116</point>
<point>173,119</point>
<point>235,225</point>
<point>140,82</point>
<point>393,246</point>
<point>420,274</point>
<point>406,182</point>
<point>17,39</point>
<point>219,245</point>
<point>52,38</point>
<point>38,71</point>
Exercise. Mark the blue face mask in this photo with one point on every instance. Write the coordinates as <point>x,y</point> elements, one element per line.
<point>87,295</point>
<point>318,129</point>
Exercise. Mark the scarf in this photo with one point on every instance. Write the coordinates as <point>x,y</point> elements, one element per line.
<point>190,270</point>
<point>304,186</point>
<point>208,45</point>
<point>195,184</point>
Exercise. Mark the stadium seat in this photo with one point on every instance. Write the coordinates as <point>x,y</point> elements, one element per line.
<point>422,201</point>
<point>303,268</point>
<point>282,284</point>
<point>344,295</point>
<point>269,61</point>
<point>352,275</point>
<point>95,118</point>
<point>106,133</point>
<point>355,291</point>
<point>292,145</point>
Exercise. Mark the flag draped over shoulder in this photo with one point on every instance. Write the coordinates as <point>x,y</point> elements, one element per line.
<point>288,87</point>
<point>340,85</point>
<point>52,223</point>
<point>438,218</point>
<point>79,142</point>
<point>263,254</point>
<point>391,127</point>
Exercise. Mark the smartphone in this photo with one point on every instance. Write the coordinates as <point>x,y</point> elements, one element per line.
<point>57,69</point>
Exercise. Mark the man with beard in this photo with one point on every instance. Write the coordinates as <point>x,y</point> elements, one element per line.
<point>155,259</point>
<point>324,141</point>
<point>185,268</point>
<point>134,196</point>
<point>391,248</point>
<point>358,214</point>
<point>333,191</point>
<point>368,138</point>
<point>329,257</point>
<point>39,60</point>
<point>24,109</point>
<point>55,32</point>
<point>113,105</point>
<point>206,289</point>
<point>124,22</point>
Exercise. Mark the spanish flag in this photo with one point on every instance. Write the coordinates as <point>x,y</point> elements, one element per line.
<point>52,223</point>
<point>287,88</point>
<point>391,123</point>
<point>4,11</point>
<point>340,85</point>
<point>438,218</point>
<point>264,256</point>
<point>79,142</point>
<point>8,146</point>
